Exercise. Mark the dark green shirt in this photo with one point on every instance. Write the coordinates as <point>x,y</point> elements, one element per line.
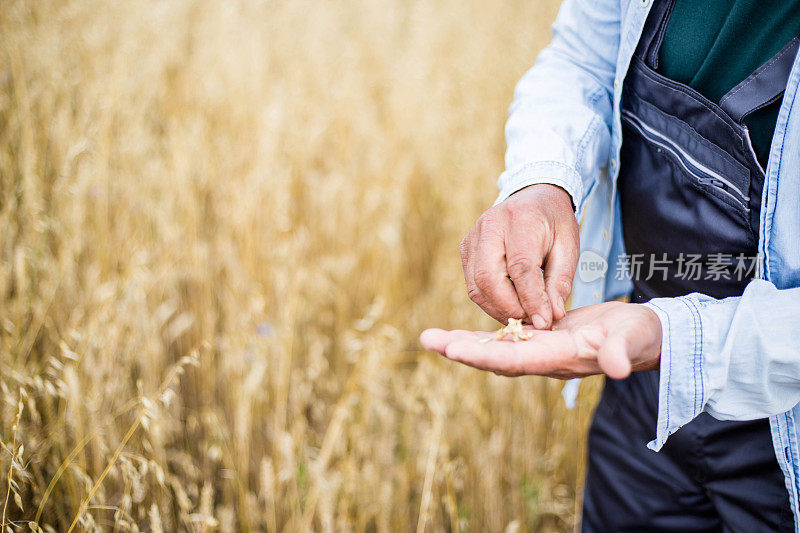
<point>712,45</point>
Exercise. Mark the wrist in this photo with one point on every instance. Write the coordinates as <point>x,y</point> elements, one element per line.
<point>653,327</point>
<point>541,173</point>
<point>548,193</point>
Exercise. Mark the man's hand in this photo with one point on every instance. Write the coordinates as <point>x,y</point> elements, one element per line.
<point>613,338</point>
<point>520,257</point>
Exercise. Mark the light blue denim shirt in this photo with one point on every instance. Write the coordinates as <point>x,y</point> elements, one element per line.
<point>737,358</point>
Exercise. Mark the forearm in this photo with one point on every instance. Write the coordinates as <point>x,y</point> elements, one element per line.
<point>558,129</point>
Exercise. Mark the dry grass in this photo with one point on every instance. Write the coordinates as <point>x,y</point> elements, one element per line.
<point>222,226</point>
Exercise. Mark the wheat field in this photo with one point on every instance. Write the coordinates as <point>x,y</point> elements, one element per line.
<point>222,227</point>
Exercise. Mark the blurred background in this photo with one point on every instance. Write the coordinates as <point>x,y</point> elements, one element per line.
<point>222,227</point>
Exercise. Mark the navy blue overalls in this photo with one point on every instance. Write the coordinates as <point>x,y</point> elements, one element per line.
<point>690,191</point>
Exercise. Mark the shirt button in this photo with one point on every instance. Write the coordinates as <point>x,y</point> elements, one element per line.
<point>644,2</point>
<point>616,84</point>
<point>597,296</point>
<point>606,235</point>
<point>613,163</point>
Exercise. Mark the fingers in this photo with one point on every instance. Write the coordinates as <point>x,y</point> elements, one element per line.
<point>437,340</point>
<point>561,354</point>
<point>544,354</point>
<point>559,270</point>
<point>485,273</point>
<point>480,349</point>
<point>525,251</point>
<point>496,356</point>
<point>514,240</point>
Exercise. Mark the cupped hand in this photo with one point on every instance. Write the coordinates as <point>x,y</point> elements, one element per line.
<point>519,259</point>
<point>612,338</point>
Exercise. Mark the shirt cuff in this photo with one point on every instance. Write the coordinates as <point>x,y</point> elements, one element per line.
<point>682,391</point>
<point>552,172</point>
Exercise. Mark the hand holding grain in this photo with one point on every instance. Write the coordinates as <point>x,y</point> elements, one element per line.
<point>520,257</point>
<point>612,338</point>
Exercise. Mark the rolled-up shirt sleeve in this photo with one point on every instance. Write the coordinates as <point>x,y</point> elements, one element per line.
<point>736,358</point>
<point>559,124</point>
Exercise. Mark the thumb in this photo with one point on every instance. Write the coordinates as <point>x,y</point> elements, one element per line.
<point>610,350</point>
<point>633,343</point>
<point>614,355</point>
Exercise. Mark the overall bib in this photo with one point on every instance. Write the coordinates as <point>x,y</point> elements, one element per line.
<point>690,194</point>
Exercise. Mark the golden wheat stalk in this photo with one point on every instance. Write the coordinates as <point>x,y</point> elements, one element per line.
<point>14,452</point>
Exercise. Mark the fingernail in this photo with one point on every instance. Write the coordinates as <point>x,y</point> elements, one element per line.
<point>539,322</point>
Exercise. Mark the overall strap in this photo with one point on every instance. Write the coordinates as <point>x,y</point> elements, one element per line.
<point>764,86</point>
<point>653,32</point>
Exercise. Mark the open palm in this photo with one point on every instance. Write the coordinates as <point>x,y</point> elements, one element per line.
<point>614,338</point>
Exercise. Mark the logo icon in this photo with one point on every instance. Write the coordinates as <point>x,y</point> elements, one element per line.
<point>591,266</point>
